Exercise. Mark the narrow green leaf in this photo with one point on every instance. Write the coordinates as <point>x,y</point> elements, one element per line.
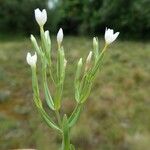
<point>48,120</point>
<point>75,115</point>
<point>48,97</point>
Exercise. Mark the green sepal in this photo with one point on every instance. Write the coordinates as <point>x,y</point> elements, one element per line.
<point>77,93</point>
<point>60,78</point>
<point>60,65</point>
<point>77,80</point>
<point>57,99</point>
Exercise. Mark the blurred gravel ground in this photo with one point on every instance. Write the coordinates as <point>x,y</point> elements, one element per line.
<point>117,113</point>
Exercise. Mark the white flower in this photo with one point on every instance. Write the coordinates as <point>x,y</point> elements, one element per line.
<point>110,36</point>
<point>31,60</point>
<point>60,36</point>
<point>40,16</point>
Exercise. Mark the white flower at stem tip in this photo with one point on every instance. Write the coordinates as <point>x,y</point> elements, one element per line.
<point>40,16</point>
<point>31,60</point>
<point>60,36</point>
<point>110,36</point>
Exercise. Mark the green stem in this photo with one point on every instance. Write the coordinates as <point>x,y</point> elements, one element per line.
<point>66,142</point>
<point>65,134</point>
<point>58,117</point>
<point>75,115</point>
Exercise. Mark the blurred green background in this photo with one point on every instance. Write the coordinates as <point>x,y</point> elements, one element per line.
<point>117,113</point>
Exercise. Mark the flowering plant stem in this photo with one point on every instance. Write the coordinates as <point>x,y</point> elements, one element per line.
<point>84,77</point>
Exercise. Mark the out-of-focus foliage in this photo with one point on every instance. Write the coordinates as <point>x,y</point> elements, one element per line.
<point>17,15</point>
<point>131,16</point>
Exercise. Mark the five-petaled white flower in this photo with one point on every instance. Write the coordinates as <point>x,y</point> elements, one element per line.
<point>60,36</point>
<point>31,60</point>
<point>40,16</point>
<point>110,36</point>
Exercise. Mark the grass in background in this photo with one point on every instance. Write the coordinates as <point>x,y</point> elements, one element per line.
<point>116,116</point>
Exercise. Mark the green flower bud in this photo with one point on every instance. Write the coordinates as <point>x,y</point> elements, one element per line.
<point>95,47</point>
<point>35,44</point>
<point>88,61</point>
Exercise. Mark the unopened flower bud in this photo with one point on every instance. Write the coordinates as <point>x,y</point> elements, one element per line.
<point>88,61</point>
<point>95,47</point>
<point>47,36</point>
<point>80,62</point>
<point>95,43</point>
<point>32,38</point>
<point>60,36</point>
